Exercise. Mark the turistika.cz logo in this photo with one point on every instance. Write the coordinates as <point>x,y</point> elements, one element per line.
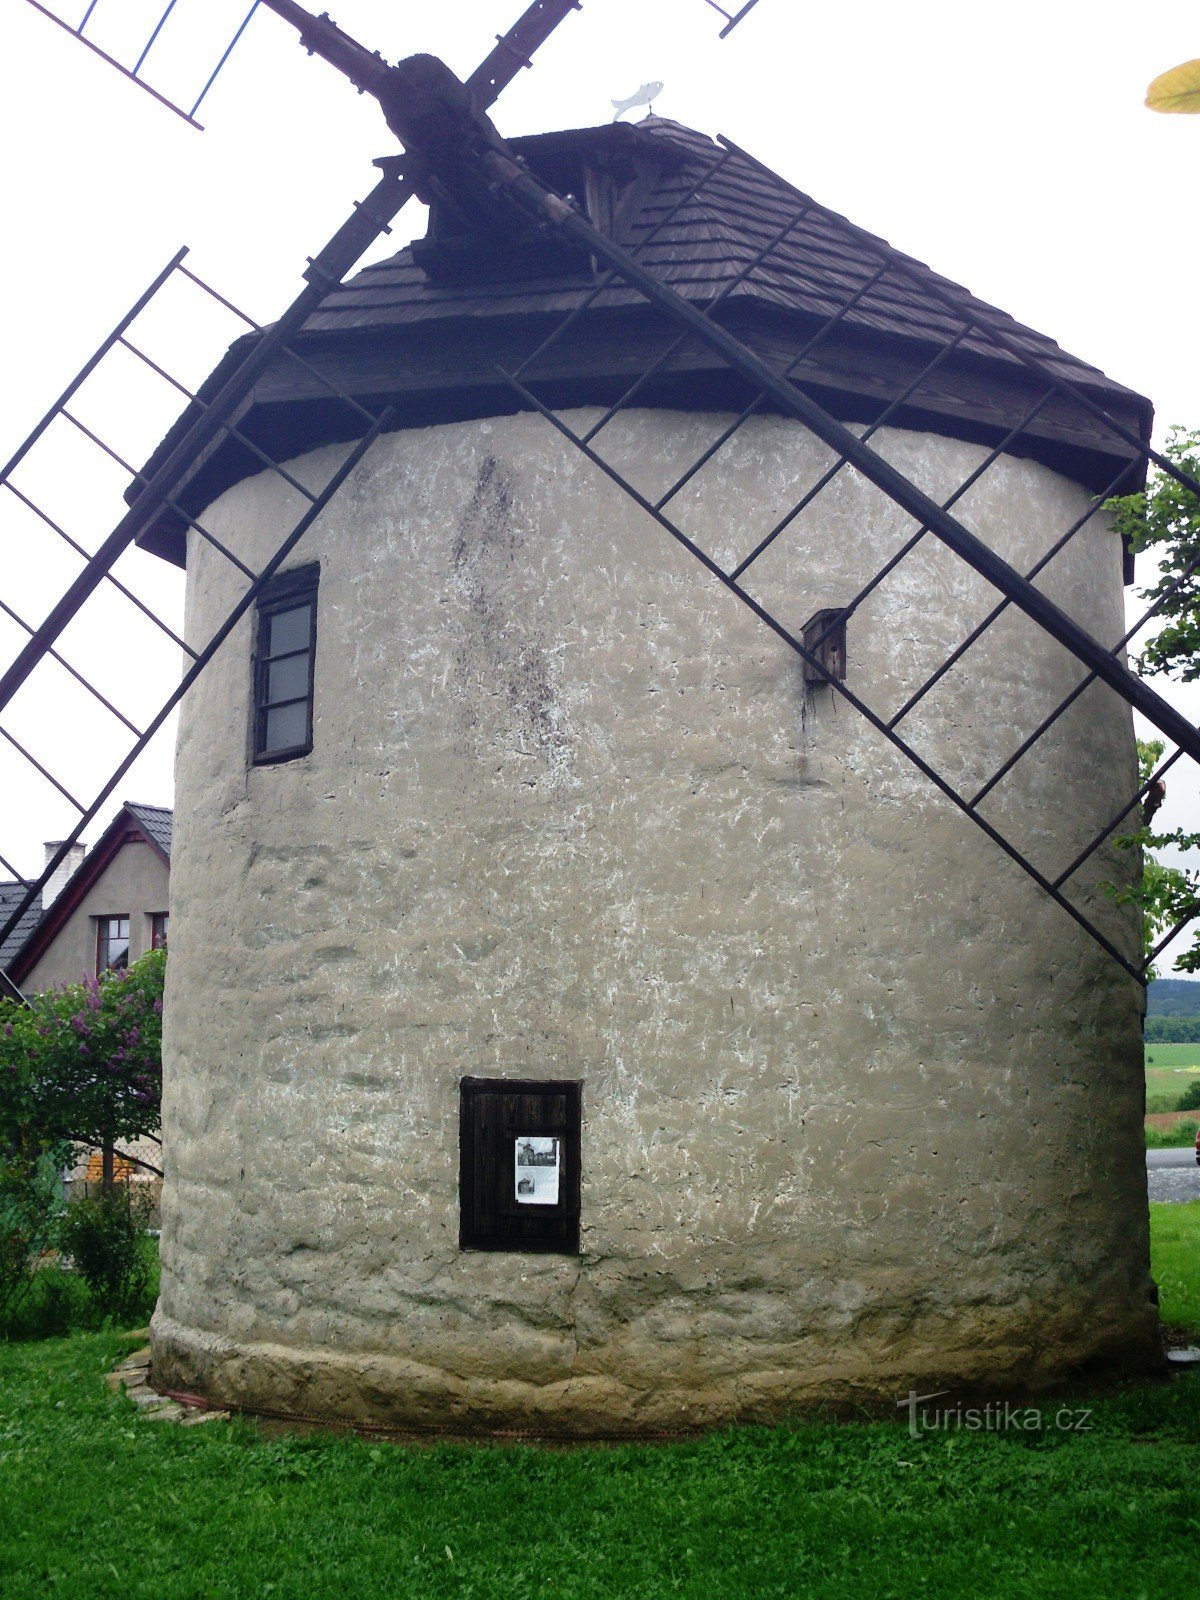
<point>994,1417</point>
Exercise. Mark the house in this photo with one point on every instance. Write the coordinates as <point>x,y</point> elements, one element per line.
<point>102,909</point>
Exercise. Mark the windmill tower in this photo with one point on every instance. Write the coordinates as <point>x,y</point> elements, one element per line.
<point>651,822</point>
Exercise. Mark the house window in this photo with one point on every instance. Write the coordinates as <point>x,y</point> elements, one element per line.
<point>519,1155</point>
<point>112,943</point>
<point>158,931</point>
<point>285,650</point>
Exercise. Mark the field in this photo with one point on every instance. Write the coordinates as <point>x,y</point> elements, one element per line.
<point>1173,1055</point>
<point>1099,1499</point>
<point>1170,1068</point>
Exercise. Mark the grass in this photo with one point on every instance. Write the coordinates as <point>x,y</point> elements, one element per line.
<point>1175,1256</point>
<point>1173,1055</point>
<point>58,1302</point>
<point>1170,1068</point>
<point>1183,1133</point>
<point>99,1501</point>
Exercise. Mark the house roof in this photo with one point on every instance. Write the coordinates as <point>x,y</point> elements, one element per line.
<point>157,822</point>
<point>11,895</point>
<point>37,929</point>
<point>428,343</point>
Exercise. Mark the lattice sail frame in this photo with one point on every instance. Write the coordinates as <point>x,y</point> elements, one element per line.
<point>143,47</point>
<point>772,388</point>
<point>1104,663</point>
<point>140,56</point>
<point>208,419</point>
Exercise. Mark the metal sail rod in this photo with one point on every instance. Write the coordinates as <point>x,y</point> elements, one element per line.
<point>536,199</point>
<point>839,688</point>
<point>89,366</point>
<point>189,677</point>
<point>338,256</point>
<point>368,71</point>
<point>113,62</point>
<point>951,296</point>
<point>370,218</point>
<point>228,51</point>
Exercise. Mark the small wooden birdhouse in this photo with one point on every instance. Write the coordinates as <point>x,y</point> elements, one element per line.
<point>824,638</point>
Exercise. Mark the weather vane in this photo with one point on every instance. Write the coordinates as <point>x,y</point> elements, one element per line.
<point>645,96</point>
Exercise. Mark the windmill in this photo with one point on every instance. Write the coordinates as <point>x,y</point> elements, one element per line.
<point>135,56</point>
<point>792,416</point>
<point>464,154</point>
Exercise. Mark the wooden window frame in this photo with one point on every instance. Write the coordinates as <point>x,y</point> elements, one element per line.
<point>286,591</point>
<point>158,929</point>
<point>102,942</point>
<point>517,1228</point>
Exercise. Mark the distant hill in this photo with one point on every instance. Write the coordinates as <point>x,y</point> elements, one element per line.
<point>1173,997</point>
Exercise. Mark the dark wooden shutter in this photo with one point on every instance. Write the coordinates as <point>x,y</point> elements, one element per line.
<point>494,1113</point>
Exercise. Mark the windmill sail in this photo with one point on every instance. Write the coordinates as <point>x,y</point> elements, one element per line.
<point>182,33</point>
<point>211,415</point>
<point>808,263</point>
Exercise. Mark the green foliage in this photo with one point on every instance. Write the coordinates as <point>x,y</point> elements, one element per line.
<point>1189,1100</point>
<point>1174,1138</point>
<point>58,1301</point>
<point>30,1203</point>
<point>1166,894</point>
<point>1172,1030</point>
<point>103,1238</point>
<point>83,1064</point>
<point>55,1303</point>
<point>1173,997</point>
<point>1165,521</point>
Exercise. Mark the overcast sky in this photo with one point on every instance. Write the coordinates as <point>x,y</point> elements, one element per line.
<point>1006,146</point>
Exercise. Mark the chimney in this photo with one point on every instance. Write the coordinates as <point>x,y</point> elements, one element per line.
<point>57,882</point>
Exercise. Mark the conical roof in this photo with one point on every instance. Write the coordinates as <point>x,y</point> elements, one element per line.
<point>426,330</point>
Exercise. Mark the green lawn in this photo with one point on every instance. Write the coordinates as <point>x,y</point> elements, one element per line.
<point>1173,1055</point>
<point>98,1501</point>
<point>1170,1068</point>
<point>1175,1256</point>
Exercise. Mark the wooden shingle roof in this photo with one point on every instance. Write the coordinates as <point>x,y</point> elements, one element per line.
<point>700,252</point>
<point>427,343</point>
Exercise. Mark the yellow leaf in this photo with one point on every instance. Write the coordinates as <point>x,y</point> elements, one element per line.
<point>1176,90</point>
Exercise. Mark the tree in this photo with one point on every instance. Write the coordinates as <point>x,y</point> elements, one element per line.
<point>82,1065</point>
<point>1165,520</point>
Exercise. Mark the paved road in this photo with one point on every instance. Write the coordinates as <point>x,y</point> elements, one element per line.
<point>1173,1174</point>
<point>1183,1157</point>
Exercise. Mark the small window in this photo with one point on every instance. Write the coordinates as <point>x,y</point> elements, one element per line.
<point>519,1161</point>
<point>158,930</point>
<point>285,650</point>
<point>112,944</point>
